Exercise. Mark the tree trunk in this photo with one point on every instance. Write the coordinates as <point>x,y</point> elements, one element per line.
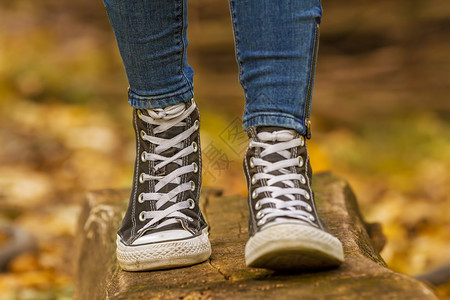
<point>364,274</point>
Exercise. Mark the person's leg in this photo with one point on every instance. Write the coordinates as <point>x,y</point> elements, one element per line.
<point>152,40</point>
<point>276,46</point>
<point>276,49</point>
<point>163,226</point>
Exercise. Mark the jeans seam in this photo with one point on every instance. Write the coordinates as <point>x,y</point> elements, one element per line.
<point>183,48</point>
<point>236,45</point>
<point>310,75</point>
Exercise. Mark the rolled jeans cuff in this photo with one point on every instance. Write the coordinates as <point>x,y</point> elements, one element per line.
<point>279,120</point>
<point>150,102</point>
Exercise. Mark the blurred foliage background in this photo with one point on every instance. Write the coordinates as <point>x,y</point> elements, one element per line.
<point>380,119</point>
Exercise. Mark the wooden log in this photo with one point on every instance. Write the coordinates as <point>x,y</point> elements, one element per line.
<point>364,274</point>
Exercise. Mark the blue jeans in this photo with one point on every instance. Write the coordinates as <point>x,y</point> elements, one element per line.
<point>276,49</point>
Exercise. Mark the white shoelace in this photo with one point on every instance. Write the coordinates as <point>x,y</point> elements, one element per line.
<point>165,119</point>
<point>289,206</point>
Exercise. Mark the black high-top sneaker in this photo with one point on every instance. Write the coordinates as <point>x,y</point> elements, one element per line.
<point>285,230</point>
<point>163,226</point>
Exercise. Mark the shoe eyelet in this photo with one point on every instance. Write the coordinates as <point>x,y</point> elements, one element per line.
<point>141,216</point>
<point>254,194</point>
<point>307,197</point>
<point>258,205</point>
<point>309,208</point>
<point>311,218</point>
<point>252,164</point>
<point>142,134</point>
<point>194,164</point>
<point>190,219</point>
<point>259,215</point>
<point>195,146</point>
<point>253,179</point>
<point>302,141</point>
<point>143,156</point>
<point>192,185</point>
<point>302,179</point>
<point>139,113</point>
<point>141,198</point>
<point>197,124</point>
<point>191,203</point>
<point>261,222</point>
<point>141,178</point>
<point>300,161</point>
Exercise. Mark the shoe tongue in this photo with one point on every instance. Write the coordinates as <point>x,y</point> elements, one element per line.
<point>269,128</point>
<point>170,113</point>
<point>272,134</point>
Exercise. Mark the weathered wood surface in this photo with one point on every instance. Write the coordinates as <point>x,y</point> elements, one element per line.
<point>364,274</point>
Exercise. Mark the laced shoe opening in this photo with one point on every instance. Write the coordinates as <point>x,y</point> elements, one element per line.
<point>170,129</point>
<point>286,193</point>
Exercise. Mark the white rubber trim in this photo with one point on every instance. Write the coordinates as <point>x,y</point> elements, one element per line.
<point>162,236</point>
<point>164,255</point>
<point>293,246</point>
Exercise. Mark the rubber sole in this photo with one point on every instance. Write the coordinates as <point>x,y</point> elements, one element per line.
<point>289,247</point>
<point>165,255</point>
